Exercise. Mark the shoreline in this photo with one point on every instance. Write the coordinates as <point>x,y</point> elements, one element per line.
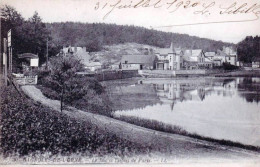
<point>173,129</point>
<point>144,136</point>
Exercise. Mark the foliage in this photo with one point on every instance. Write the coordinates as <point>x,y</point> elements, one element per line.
<point>28,128</point>
<point>249,49</point>
<point>63,78</point>
<point>31,35</point>
<point>94,36</point>
<point>228,66</point>
<point>79,91</point>
<point>28,36</point>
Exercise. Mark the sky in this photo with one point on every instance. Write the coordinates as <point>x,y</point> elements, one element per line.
<point>232,16</point>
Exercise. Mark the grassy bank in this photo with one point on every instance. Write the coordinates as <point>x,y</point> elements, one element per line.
<point>160,126</point>
<point>28,128</point>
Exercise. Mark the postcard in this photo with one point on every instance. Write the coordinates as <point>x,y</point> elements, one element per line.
<point>130,82</point>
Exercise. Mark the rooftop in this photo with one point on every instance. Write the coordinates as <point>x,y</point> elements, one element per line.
<point>210,54</point>
<point>138,59</point>
<point>27,55</point>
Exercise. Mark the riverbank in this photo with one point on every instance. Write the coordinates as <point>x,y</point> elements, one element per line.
<point>198,72</point>
<point>168,144</point>
<point>162,127</point>
<point>240,73</point>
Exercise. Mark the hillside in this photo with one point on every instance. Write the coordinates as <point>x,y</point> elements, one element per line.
<point>111,54</point>
<point>96,36</point>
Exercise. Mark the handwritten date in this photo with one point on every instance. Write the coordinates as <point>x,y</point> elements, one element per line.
<point>200,7</point>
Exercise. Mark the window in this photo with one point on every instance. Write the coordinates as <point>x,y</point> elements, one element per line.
<point>126,62</point>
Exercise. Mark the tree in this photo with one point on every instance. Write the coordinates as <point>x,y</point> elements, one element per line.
<point>27,35</point>
<point>249,49</point>
<point>11,19</point>
<point>63,78</point>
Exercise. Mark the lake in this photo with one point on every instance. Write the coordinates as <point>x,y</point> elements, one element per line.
<point>220,108</point>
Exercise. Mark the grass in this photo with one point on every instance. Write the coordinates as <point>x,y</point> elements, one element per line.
<point>160,126</point>
<point>27,128</point>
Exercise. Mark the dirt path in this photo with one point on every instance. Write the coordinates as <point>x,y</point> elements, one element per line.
<point>174,145</point>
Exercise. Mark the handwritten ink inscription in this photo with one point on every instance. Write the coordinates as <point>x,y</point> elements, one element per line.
<point>199,7</point>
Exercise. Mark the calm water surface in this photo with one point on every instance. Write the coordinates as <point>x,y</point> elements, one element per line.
<point>221,108</point>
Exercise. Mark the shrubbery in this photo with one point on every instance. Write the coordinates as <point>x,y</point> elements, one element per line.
<point>62,83</point>
<point>28,128</point>
<point>227,66</point>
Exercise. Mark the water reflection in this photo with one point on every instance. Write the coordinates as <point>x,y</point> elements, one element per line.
<point>222,108</point>
<point>141,93</point>
<point>181,90</point>
<point>249,89</point>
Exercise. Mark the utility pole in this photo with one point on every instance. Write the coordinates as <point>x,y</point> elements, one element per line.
<point>47,55</point>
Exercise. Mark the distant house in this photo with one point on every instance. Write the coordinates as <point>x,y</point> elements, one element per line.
<point>137,62</point>
<point>231,55</point>
<point>256,63</point>
<point>93,66</point>
<point>78,52</point>
<point>28,61</point>
<point>212,56</point>
<point>194,59</point>
<point>83,56</point>
<point>116,66</point>
<point>169,58</point>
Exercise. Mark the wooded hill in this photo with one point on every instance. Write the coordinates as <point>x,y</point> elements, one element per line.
<point>95,36</point>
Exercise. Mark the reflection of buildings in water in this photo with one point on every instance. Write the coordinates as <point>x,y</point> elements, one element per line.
<point>178,91</point>
<point>172,93</point>
<point>249,88</point>
<point>230,84</point>
<point>169,93</point>
<point>201,93</point>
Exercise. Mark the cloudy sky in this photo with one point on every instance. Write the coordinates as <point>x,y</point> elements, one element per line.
<point>230,20</point>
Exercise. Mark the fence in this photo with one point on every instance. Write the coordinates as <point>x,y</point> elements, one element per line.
<point>26,80</point>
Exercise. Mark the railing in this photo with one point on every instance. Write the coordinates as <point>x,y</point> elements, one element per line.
<point>25,80</point>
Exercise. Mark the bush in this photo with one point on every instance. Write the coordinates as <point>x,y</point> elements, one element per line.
<point>228,66</point>
<point>90,96</point>
<point>28,128</point>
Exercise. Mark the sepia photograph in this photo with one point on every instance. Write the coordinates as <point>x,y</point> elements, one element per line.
<point>130,82</point>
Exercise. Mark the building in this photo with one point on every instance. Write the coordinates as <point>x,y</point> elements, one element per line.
<point>27,61</point>
<point>169,58</point>
<point>116,66</point>
<point>82,54</point>
<point>231,55</point>
<point>256,63</point>
<point>138,62</point>
<point>79,52</point>
<point>212,56</point>
<point>94,66</point>
<point>195,59</point>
